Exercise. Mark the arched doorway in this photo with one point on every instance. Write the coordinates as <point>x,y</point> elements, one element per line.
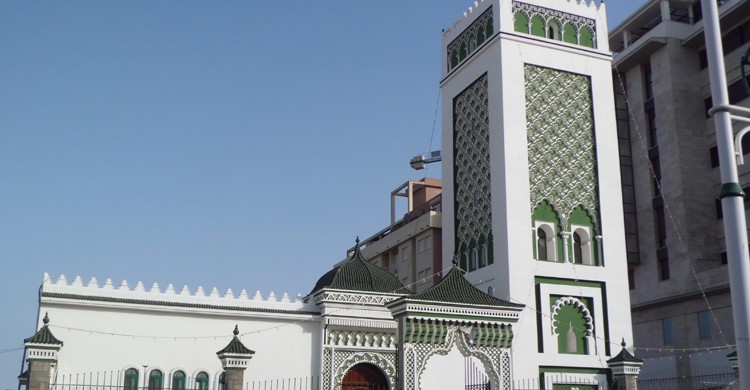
<point>364,376</point>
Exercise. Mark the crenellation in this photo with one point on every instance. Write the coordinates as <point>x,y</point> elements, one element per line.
<point>155,292</point>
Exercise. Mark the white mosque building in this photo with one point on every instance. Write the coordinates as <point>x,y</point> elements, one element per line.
<point>532,214</point>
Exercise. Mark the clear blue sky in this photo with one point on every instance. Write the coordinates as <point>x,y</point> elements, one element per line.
<point>229,144</point>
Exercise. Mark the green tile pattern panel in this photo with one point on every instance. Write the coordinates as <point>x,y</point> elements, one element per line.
<point>471,143</point>
<point>561,141</point>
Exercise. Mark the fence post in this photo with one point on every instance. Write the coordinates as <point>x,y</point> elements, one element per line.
<point>625,369</point>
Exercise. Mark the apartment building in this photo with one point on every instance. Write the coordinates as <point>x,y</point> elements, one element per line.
<point>679,287</point>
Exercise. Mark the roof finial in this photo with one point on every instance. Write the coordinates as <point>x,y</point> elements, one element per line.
<point>45,320</point>
<point>236,330</point>
<point>455,261</point>
<point>356,241</point>
<point>623,343</point>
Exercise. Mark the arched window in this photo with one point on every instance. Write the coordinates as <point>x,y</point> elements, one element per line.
<point>178,380</point>
<point>131,379</point>
<point>483,255</point>
<point>582,248</point>
<point>201,381</point>
<point>473,259</point>
<point>156,380</point>
<point>546,248</point>
<point>222,382</point>
<point>553,30</point>
<point>577,252</point>
<point>541,244</point>
<point>462,53</point>
<point>472,46</point>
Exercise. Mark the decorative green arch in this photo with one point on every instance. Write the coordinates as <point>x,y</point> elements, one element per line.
<point>569,34</point>
<point>538,26</point>
<point>586,37</point>
<point>521,22</point>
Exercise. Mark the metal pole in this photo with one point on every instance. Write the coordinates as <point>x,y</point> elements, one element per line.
<point>735,227</point>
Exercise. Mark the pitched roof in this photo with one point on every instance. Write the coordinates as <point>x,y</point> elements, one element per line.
<point>235,346</point>
<point>454,288</point>
<point>43,335</point>
<point>358,274</point>
<point>624,356</point>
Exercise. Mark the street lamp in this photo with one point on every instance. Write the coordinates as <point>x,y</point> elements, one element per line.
<point>731,194</point>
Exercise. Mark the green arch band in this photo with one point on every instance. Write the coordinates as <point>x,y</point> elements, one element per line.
<point>731,189</point>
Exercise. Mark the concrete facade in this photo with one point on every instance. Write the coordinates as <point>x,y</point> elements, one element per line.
<point>677,257</point>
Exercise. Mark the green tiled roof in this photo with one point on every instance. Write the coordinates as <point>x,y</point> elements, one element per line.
<point>43,335</point>
<point>358,274</point>
<point>149,302</point>
<point>624,356</point>
<point>235,346</point>
<point>454,288</point>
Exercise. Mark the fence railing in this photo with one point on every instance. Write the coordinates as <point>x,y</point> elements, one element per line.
<point>115,380</point>
<point>561,381</point>
<point>697,382</point>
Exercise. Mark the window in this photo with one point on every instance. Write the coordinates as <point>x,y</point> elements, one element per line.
<point>541,244</point>
<point>178,380</point>
<point>582,248</point>
<point>405,253</point>
<point>201,381</point>
<point>420,245</point>
<point>483,255</point>
<point>545,242</point>
<point>577,251</point>
<point>491,291</point>
<point>155,380</point>
<point>667,332</point>
<point>704,324</point>
<point>222,382</point>
<point>473,259</point>
<point>131,379</point>
<point>663,266</point>
<point>428,242</point>
<point>631,279</point>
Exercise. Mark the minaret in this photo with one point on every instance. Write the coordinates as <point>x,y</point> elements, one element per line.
<point>532,203</point>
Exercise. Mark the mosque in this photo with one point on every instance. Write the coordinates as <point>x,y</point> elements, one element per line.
<point>531,206</point>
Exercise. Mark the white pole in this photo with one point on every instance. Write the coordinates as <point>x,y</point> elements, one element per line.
<point>735,227</point>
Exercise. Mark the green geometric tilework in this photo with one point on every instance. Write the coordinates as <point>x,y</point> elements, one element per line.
<point>471,122</point>
<point>562,152</point>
